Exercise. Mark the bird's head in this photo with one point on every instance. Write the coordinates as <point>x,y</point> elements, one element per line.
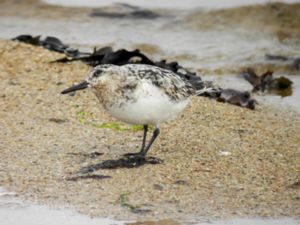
<point>99,73</point>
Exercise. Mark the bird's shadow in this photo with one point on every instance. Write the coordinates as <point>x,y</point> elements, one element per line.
<point>126,161</point>
<point>88,176</point>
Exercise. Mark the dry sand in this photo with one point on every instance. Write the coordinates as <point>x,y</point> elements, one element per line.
<point>219,160</point>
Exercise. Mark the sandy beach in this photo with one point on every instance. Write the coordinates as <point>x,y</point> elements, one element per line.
<point>219,160</point>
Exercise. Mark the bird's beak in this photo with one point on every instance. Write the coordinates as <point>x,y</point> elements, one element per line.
<point>82,85</point>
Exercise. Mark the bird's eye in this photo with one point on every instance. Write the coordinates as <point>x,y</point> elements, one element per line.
<point>97,73</point>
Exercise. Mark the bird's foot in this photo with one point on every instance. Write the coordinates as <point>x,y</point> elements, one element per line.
<point>139,159</point>
<point>137,155</point>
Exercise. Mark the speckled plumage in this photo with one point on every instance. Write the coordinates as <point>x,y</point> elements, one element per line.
<point>131,74</point>
<point>121,88</point>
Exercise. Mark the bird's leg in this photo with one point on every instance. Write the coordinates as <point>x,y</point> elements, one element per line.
<point>144,137</point>
<point>144,150</point>
<point>143,144</point>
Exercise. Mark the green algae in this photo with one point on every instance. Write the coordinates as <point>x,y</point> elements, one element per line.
<point>123,202</point>
<point>82,118</point>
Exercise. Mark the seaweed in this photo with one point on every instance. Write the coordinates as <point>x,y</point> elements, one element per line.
<point>123,202</point>
<point>294,62</point>
<point>33,40</point>
<point>266,82</point>
<point>81,116</point>
<point>51,43</point>
<point>125,11</point>
<point>238,98</point>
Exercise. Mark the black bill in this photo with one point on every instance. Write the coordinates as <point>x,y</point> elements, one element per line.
<point>82,85</point>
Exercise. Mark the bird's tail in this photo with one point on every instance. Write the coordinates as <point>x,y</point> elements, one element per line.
<point>208,90</point>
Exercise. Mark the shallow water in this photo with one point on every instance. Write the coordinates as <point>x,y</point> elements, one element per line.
<point>207,50</point>
<point>237,82</point>
<point>13,210</point>
<point>188,4</point>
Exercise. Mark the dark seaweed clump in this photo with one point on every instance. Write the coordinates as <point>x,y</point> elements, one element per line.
<point>107,55</point>
<point>121,10</point>
<point>50,43</point>
<point>294,62</point>
<point>267,83</point>
<point>235,97</point>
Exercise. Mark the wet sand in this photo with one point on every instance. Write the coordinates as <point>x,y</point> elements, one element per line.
<point>212,42</point>
<point>219,160</point>
<point>36,8</point>
<point>274,18</point>
<point>12,211</point>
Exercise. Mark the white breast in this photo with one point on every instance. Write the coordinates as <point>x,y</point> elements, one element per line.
<point>150,106</point>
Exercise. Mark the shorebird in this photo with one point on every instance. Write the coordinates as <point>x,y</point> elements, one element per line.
<point>139,94</point>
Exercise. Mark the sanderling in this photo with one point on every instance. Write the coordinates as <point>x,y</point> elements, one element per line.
<point>139,94</point>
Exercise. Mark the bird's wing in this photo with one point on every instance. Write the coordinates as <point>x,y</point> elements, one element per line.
<point>173,85</point>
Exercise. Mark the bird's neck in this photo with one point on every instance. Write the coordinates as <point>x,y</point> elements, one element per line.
<point>108,91</point>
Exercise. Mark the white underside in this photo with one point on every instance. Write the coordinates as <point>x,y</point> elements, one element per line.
<point>152,106</point>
